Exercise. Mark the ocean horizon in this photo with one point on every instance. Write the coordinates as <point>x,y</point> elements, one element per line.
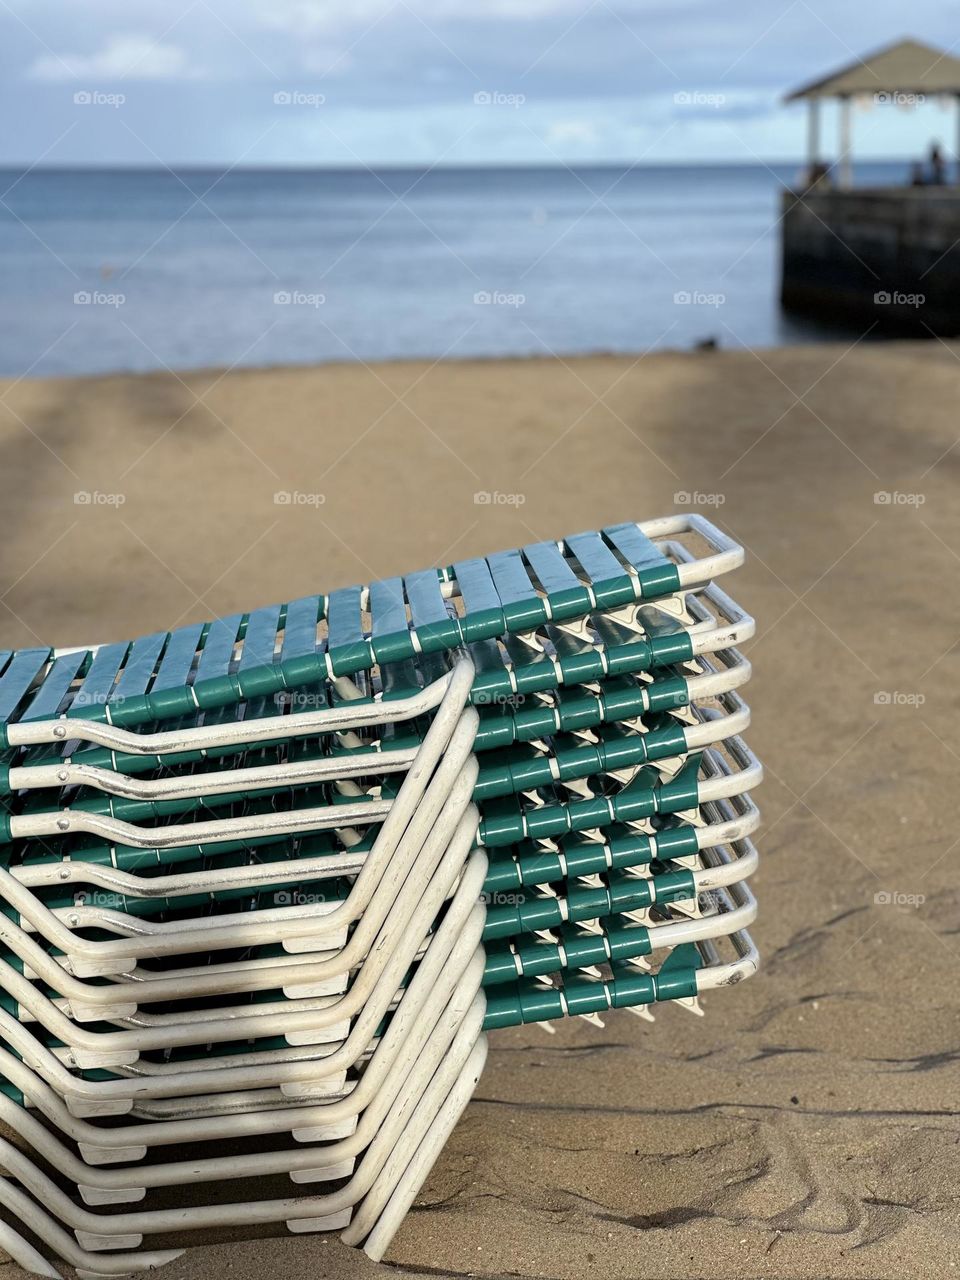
<point>135,269</point>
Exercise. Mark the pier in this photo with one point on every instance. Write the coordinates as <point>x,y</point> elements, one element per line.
<point>882,256</point>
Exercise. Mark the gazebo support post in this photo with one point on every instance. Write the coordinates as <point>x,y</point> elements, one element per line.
<point>846,166</point>
<point>813,137</point>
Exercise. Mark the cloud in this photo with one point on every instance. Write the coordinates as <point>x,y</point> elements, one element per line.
<point>305,16</point>
<point>567,132</point>
<point>123,57</point>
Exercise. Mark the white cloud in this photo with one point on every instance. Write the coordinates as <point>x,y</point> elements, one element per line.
<point>306,16</point>
<point>123,57</point>
<point>576,132</point>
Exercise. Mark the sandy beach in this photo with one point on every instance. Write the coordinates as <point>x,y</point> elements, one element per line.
<point>805,1126</point>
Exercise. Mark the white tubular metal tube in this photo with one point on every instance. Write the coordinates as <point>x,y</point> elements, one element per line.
<point>388,861</point>
<point>227,1078</point>
<point>65,821</point>
<point>406,1041</point>
<point>214,783</point>
<point>402,1129</point>
<point>725,554</point>
<point>233,733</point>
<point>408,1080</point>
<point>35,1219</point>
<point>395,1190</point>
<point>399,941</point>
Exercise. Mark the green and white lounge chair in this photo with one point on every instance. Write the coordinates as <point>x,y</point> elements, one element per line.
<point>254,874</point>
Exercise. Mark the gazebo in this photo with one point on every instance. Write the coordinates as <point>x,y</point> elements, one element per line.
<point>904,73</point>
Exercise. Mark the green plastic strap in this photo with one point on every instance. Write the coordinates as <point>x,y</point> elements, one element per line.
<point>610,583</point>
<point>523,608</point>
<point>434,627</point>
<point>17,679</point>
<point>45,703</point>
<point>99,681</point>
<point>347,647</point>
<point>569,598</point>
<point>300,628</point>
<point>391,640</point>
<point>217,652</point>
<point>128,704</point>
<point>658,576</point>
<point>483,615</point>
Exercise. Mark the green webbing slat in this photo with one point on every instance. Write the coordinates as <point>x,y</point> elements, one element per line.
<point>390,632</point>
<point>17,679</point>
<point>523,770</point>
<point>45,703</point>
<point>506,821</point>
<point>552,570</point>
<point>177,661</point>
<point>568,596</point>
<point>476,586</point>
<point>98,683</point>
<point>523,608</point>
<point>536,911</point>
<point>483,617</point>
<point>139,667</point>
<point>528,1001</point>
<point>657,574</point>
<point>434,627</point>
<point>622,849</point>
<point>610,582</point>
<point>347,646</point>
<point>169,694</point>
<point>531,669</point>
<point>300,628</point>
<point>618,939</point>
<point>427,604</point>
<point>217,652</point>
<point>5,656</point>
<point>388,608</point>
<point>260,641</point>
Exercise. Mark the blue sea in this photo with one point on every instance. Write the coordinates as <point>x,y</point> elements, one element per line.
<point>136,269</point>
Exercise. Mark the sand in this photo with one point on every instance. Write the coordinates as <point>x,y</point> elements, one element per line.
<point>805,1126</point>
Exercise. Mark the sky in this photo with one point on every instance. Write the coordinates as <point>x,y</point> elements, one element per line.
<point>425,82</point>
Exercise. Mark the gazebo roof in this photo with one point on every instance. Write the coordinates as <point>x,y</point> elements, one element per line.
<point>905,67</point>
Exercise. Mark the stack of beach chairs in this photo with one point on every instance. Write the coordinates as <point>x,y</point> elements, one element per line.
<point>268,882</point>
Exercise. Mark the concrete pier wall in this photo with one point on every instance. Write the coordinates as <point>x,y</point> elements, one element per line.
<point>890,256</point>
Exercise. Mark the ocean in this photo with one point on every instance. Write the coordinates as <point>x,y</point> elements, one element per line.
<point>109,270</point>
